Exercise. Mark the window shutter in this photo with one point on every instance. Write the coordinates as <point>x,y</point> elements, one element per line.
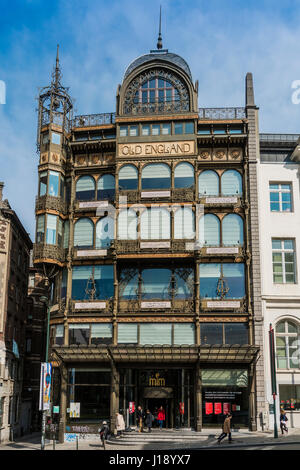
<point>232,230</point>
<point>156,333</point>
<point>184,333</point>
<point>128,177</point>
<point>184,224</point>
<point>106,182</point>
<point>208,183</point>
<point>184,175</point>
<point>231,183</point>
<point>155,224</point>
<point>127,333</point>
<point>209,230</point>
<point>84,233</point>
<point>156,176</point>
<point>127,225</point>
<point>85,183</point>
<point>101,330</point>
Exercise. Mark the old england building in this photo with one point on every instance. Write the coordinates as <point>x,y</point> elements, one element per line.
<point>147,226</point>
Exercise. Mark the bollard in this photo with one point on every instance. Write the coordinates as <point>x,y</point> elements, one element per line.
<point>76,442</point>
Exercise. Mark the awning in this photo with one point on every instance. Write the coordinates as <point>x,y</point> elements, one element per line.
<point>228,354</point>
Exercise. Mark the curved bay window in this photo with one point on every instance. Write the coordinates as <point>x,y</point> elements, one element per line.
<point>287,345</point>
<point>156,91</point>
<point>211,275</point>
<point>156,283</point>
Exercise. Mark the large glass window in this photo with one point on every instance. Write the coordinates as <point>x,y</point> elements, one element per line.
<point>232,273</point>
<point>43,183</point>
<point>106,187</point>
<point>53,183</point>
<point>51,229</point>
<point>156,176</point>
<point>287,345</point>
<point>100,279</point>
<point>40,229</point>
<point>156,284</point>
<point>231,183</point>
<point>284,264</point>
<point>184,224</point>
<point>84,233</point>
<point>101,333</point>
<point>156,90</point>
<point>184,333</point>
<point>128,333</point>
<point>184,175</point>
<point>289,396</point>
<point>155,224</point>
<point>127,225</point>
<point>232,230</point>
<point>156,333</point>
<point>128,177</point>
<point>79,334</point>
<point>209,230</point>
<point>85,188</point>
<point>104,232</point>
<point>208,183</point>
<point>281,197</point>
<point>129,284</point>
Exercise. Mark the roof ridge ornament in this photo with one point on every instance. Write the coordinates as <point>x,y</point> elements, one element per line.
<point>57,75</point>
<point>159,41</point>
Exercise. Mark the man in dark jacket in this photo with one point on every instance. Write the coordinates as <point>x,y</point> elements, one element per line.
<point>104,432</point>
<point>149,420</point>
<point>140,416</point>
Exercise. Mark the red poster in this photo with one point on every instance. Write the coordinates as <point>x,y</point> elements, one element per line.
<point>131,407</point>
<point>226,408</point>
<point>233,407</point>
<point>181,408</point>
<point>218,408</point>
<point>208,408</point>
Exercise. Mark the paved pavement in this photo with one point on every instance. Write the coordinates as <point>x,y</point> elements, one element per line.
<point>206,440</point>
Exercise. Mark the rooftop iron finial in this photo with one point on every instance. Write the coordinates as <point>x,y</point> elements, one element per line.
<point>159,42</point>
<point>56,76</point>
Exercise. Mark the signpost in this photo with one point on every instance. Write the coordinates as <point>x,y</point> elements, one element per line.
<point>273,376</point>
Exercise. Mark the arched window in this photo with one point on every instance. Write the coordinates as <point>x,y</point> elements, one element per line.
<point>232,230</point>
<point>106,187</point>
<point>287,345</point>
<point>156,90</point>
<point>156,176</point>
<point>85,188</point>
<point>155,224</point>
<point>184,224</point>
<point>209,230</point>
<point>208,183</point>
<point>128,177</point>
<point>104,232</point>
<point>231,183</point>
<point>127,225</point>
<point>84,233</point>
<point>184,175</point>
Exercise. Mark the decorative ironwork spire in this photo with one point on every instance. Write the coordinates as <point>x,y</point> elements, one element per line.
<point>56,76</point>
<point>159,42</point>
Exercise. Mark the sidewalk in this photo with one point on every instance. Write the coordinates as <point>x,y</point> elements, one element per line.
<point>207,440</point>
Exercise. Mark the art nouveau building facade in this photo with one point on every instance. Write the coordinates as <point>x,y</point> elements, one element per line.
<point>147,224</point>
<point>280,257</point>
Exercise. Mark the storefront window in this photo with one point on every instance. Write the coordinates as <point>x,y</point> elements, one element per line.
<point>225,391</point>
<point>289,396</point>
<point>90,389</point>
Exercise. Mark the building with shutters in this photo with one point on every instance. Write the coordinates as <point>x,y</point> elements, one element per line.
<point>147,227</point>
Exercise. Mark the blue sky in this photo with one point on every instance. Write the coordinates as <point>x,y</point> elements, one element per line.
<point>221,40</point>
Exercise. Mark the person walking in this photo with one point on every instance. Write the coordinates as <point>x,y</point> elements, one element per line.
<point>283,421</point>
<point>149,420</point>
<point>226,429</point>
<point>140,416</point>
<point>120,424</point>
<point>161,416</point>
<point>104,432</point>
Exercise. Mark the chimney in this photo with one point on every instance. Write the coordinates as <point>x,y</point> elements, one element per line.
<point>1,189</point>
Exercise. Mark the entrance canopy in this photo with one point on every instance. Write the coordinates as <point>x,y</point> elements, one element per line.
<point>157,353</point>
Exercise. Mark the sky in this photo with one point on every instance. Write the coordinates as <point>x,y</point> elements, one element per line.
<point>221,40</point>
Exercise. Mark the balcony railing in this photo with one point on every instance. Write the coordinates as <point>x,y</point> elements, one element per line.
<point>48,252</point>
<point>93,120</point>
<point>43,203</point>
<point>222,113</point>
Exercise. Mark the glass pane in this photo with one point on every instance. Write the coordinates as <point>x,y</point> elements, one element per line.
<point>280,327</point>
<point>156,176</point>
<point>236,333</point>
<point>51,229</point>
<point>288,244</point>
<point>155,129</point>
<point>211,333</point>
<point>123,131</point>
<point>274,186</point>
<point>189,128</point>
<point>166,129</point>
<point>276,244</point>
<point>286,197</point>
<point>156,284</point>
<point>277,258</point>
<point>281,363</point>
<point>286,187</point>
<point>286,207</point>
<point>43,183</point>
<point>209,277</point>
<point>178,127</point>
<point>146,130</point>
<point>128,177</point>
<point>274,197</point>
<point>209,183</point>
<point>275,207</point>
<point>156,333</point>
<point>278,279</point>
<point>127,333</point>
<point>133,131</point>
<point>292,328</point>
<point>280,342</point>
<point>53,183</point>
<point>84,233</point>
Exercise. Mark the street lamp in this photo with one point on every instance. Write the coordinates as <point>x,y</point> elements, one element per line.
<point>273,376</point>
<point>45,300</point>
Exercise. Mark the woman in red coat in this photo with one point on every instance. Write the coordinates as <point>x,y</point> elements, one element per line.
<point>161,416</point>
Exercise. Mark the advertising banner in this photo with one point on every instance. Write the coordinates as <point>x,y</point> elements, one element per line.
<point>218,408</point>
<point>131,407</point>
<point>208,408</point>
<point>45,386</point>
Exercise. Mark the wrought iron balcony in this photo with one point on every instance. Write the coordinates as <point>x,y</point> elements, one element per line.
<point>157,107</point>
<point>140,306</point>
<point>221,113</point>
<point>44,203</point>
<point>170,195</point>
<point>93,120</point>
<point>43,252</point>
